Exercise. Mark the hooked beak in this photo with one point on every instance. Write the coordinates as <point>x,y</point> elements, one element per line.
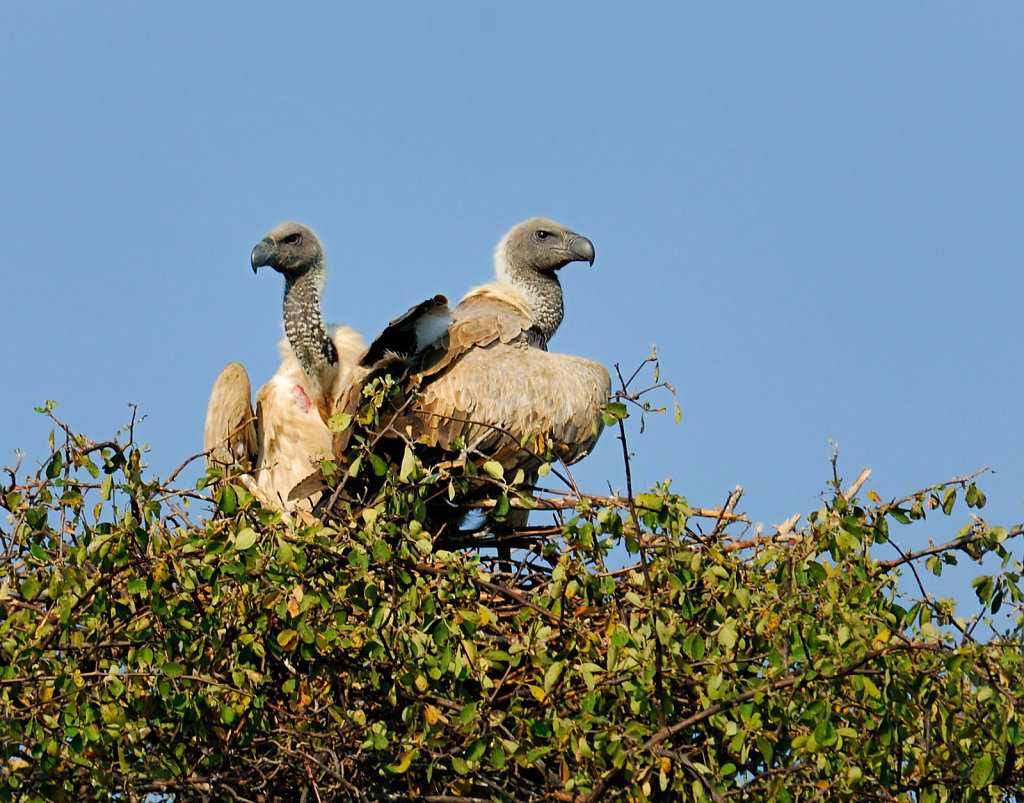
<point>580,247</point>
<point>262,253</point>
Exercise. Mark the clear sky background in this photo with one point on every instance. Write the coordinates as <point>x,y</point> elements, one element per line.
<point>814,210</point>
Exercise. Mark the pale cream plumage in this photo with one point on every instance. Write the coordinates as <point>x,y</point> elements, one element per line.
<point>488,386</point>
<point>230,432</point>
<point>493,391</point>
<point>286,434</point>
<point>291,432</point>
<point>284,437</point>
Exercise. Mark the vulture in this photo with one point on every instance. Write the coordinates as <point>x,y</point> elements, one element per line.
<point>487,386</point>
<point>288,432</point>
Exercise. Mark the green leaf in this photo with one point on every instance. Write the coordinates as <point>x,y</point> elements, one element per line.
<point>501,507</point>
<point>552,674</point>
<point>612,412</point>
<point>173,669</point>
<point>900,515</point>
<point>476,750</point>
<point>494,469</point>
<point>380,468</point>
<point>982,772</point>
<point>727,635</point>
<point>30,588</point>
<point>227,501</point>
<point>245,538</point>
<point>54,466</point>
<point>825,734</point>
<point>948,501</point>
<point>693,646</point>
<point>106,487</point>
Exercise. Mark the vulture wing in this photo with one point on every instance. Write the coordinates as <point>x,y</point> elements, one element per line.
<point>508,401</point>
<point>410,333</point>
<point>494,387</point>
<point>230,431</point>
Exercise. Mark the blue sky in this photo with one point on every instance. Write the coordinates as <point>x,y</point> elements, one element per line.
<point>814,211</point>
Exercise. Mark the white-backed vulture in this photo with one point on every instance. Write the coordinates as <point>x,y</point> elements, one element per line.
<point>287,434</point>
<point>488,386</point>
<point>495,384</point>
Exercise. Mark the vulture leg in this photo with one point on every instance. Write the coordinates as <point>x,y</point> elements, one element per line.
<point>516,521</point>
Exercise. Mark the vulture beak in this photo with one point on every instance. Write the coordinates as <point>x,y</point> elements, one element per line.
<point>580,247</point>
<point>262,253</point>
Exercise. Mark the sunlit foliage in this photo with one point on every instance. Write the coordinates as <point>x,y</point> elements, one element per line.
<point>155,646</point>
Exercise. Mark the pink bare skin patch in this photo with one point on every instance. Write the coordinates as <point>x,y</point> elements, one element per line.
<point>301,398</point>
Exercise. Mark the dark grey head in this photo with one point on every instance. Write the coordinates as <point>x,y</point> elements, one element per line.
<point>290,248</point>
<point>540,245</point>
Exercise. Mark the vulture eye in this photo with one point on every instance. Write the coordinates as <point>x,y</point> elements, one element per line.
<point>291,239</point>
<point>543,235</point>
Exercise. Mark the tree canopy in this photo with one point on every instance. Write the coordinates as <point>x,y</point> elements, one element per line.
<point>155,645</point>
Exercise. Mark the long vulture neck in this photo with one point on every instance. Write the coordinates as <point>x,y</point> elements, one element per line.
<point>304,327</point>
<point>543,292</point>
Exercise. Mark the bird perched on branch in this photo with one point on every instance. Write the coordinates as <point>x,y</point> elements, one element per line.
<point>494,384</point>
<point>288,432</point>
<point>487,386</point>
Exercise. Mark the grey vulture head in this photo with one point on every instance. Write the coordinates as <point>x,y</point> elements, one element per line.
<point>294,251</point>
<point>528,258</point>
<point>290,248</point>
<point>539,245</point>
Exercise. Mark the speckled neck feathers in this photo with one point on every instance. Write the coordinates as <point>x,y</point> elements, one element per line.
<point>541,289</point>
<point>304,325</point>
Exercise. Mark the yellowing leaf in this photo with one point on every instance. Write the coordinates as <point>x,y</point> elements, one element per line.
<point>727,635</point>
<point>404,761</point>
<point>294,601</point>
<point>288,639</point>
<point>494,469</point>
<point>433,715</point>
<point>408,464</point>
<point>339,422</point>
